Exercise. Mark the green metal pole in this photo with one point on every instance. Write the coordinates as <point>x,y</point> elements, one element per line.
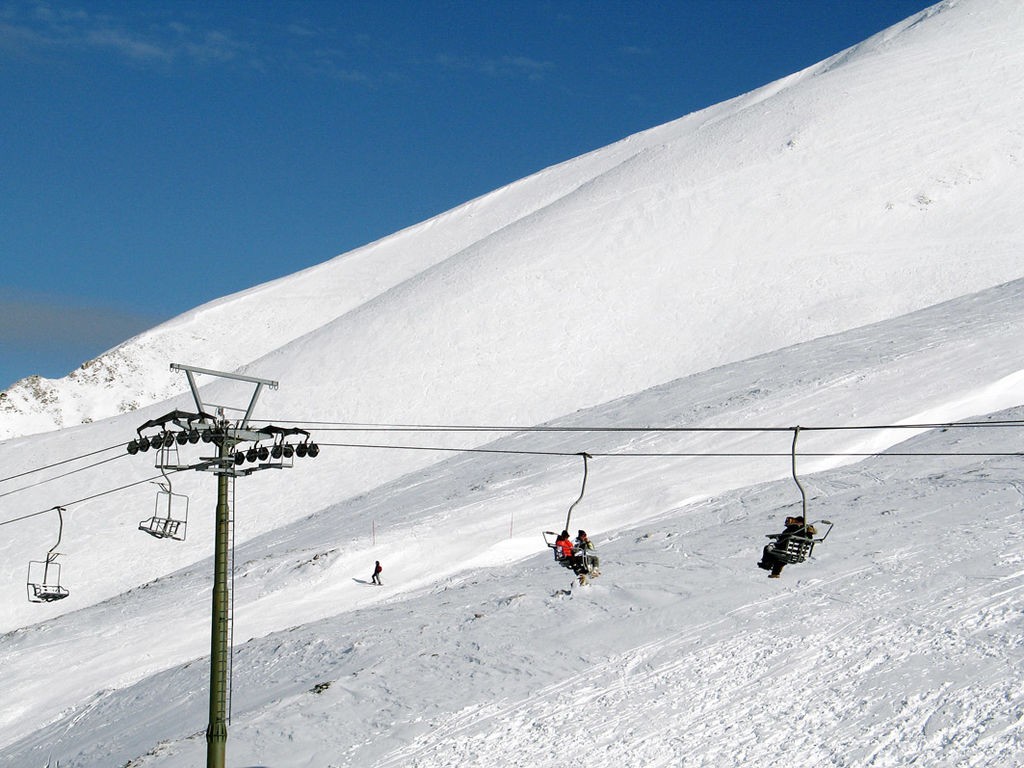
<point>217,731</point>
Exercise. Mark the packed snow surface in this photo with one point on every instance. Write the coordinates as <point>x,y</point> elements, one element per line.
<point>840,248</point>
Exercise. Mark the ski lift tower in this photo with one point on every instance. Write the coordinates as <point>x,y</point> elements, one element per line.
<point>227,465</point>
<point>226,437</point>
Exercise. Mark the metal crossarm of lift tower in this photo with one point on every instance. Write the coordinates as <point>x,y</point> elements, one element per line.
<point>183,427</point>
<point>191,370</point>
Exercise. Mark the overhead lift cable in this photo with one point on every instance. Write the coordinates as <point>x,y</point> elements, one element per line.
<point>330,426</point>
<point>65,474</point>
<point>83,499</point>
<point>119,446</point>
<point>672,454</point>
<point>358,427</point>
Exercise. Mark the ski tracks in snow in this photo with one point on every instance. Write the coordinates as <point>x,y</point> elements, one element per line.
<point>896,679</point>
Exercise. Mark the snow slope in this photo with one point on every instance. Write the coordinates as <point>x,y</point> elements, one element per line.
<point>841,247</point>
<point>900,641</point>
<point>770,219</point>
<point>696,244</point>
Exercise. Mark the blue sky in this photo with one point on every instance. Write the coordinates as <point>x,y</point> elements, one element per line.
<point>155,156</point>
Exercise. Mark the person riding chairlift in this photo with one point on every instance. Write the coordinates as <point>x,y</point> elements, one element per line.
<point>564,549</point>
<point>795,526</point>
<point>585,547</point>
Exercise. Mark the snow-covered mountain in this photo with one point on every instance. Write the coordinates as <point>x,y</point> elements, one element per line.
<point>842,247</point>
<point>766,220</point>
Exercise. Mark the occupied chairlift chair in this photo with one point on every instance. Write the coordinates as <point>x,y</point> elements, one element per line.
<point>583,563</point>
<point>44,575</point>
<point>791,548</point>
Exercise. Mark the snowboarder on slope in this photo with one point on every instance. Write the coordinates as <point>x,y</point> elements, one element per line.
<point>376,573</point>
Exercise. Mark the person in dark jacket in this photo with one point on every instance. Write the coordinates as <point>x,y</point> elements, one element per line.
<point>376,573</point>
<point>587,559</point>
<point>770,561</point>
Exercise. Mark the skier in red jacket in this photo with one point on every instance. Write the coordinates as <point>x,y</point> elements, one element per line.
<point>564,549</point>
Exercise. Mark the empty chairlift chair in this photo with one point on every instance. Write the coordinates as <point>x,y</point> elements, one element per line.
<point>170,516</point>
<point>44,575</point>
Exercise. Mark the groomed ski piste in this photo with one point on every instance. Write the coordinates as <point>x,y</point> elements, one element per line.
<point>898,643</point>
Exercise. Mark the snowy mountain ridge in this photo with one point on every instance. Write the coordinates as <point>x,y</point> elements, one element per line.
<point>262,318</point>
<point>673,212</point>
<point>838,250</point>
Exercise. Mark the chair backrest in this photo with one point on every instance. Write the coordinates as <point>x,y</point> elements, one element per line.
<point>794,549</point>
<point>163,528</point>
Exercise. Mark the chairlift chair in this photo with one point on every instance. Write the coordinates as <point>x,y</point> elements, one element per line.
<point>170,516</point>
<point>44,580</point>
<point>550,542</point>
<point>797,546</point>
<point>581,564</point>
<point>43,583</point>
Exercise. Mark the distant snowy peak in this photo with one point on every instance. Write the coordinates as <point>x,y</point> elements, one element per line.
<point>763,221</point>
<point>228,333</point>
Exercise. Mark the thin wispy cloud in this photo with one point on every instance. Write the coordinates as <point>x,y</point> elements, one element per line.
<point>636,50</point>
<point>130,46</point>
<point>503,67</point>
<point>41,27</point>
<point>331,63</point>
<point>214,47</point>
<point>531,68</point>
<point>186,36</point>
<point>157,38</point>
<point>300,30</point>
